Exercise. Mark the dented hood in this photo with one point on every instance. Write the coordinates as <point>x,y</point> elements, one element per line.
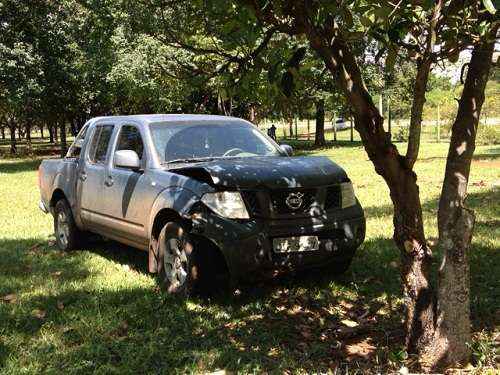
<point>265,172</point>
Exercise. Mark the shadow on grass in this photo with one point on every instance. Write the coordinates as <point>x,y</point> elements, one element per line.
<point>290,322</point>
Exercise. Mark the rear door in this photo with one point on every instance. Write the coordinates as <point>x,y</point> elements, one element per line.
<point>92,174</point>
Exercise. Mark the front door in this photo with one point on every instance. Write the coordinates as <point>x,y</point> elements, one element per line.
<point>128,199</point>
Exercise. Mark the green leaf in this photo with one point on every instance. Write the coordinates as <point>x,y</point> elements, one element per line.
<point>488,4</point>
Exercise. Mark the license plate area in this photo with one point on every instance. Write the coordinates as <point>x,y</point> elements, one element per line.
<point>295,244</point>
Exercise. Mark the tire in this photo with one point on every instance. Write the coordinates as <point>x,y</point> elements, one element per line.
<point>68,236</point>
<point>178,267</point>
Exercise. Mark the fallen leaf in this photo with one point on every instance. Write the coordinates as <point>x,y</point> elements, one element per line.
<point>34,248</point>
<point>363,349</point>
<point>38,313</point>
<point>9,298</point>
<point>349,323</point>
<point>60,305</point>
<point>345,304</point>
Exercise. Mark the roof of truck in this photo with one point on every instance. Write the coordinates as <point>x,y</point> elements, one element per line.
<point>170,118</point>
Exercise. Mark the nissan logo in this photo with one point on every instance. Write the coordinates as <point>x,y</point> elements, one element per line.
<point>294,200</point>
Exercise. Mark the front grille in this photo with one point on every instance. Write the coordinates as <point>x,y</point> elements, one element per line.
<point>280,206</point>
<point>273,203</point>
<point>333,197</point>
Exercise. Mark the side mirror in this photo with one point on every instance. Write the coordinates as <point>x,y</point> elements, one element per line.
<point>127,159</point>
<point>287,149</point>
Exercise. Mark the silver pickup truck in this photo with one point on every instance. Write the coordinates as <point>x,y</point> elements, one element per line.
<point>206,196</point>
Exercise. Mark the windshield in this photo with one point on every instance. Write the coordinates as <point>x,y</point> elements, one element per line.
<point>188,141</point>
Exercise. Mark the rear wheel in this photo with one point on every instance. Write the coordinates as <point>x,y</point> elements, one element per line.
<point>177,266</point>
<point>68,236</point>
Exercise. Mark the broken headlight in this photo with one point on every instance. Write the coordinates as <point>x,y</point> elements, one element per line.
<point>228,204</point>
<point>347,194</point>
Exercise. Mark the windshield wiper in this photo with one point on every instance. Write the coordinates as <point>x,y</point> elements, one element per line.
<point>189,160</point>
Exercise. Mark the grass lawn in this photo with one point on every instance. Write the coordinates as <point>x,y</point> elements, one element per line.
<point>98,310</point>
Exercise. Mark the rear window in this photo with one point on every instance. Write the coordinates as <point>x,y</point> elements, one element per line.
<point>100,142</point>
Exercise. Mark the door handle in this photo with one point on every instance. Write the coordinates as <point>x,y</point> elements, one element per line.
<point>109,181</point>
<point>83,176</point>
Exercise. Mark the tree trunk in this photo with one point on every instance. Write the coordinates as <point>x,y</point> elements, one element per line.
<point>319,137</point>
<point>420,86</point>
<point>54,128</point>
<point>64,148</point>
<point>455,221</point>
<point>41,131</point>
<point>3,132</point>
<point>74,129</point>
<point>51,133</point>
<point>417,108</point>
<point>409,234</point>
<point>28,132</point>
<point>13,145</point>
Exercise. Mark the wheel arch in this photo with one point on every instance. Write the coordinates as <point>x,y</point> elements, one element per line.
<point>57,195</point>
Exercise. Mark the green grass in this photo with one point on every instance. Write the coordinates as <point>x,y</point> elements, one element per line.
<point>98,310</point>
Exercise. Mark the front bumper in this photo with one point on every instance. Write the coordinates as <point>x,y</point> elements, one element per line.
<point>247,245</point>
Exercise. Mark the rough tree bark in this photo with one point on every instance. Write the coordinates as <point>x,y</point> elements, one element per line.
<point>319,137</point>
<point>2,129</point>
<point>456,221</point>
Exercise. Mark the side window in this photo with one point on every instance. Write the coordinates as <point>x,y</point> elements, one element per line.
<point>100,142</point>
<point>130,139</point>
<point>76,147</point>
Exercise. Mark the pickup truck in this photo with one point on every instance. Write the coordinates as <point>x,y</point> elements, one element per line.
<point>210,198</point>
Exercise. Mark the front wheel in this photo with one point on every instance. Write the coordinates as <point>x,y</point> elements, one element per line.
<point>67,233</point>
<point>177,268</point>
<point>341,267</point>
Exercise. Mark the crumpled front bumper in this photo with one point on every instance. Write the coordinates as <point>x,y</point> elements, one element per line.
<point>247,245</point>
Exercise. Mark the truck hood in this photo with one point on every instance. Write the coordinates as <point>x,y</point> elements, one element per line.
<point>273,172</point>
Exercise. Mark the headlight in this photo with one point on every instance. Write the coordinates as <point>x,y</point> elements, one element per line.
<point>226,203</point>
<point>347,194</point>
